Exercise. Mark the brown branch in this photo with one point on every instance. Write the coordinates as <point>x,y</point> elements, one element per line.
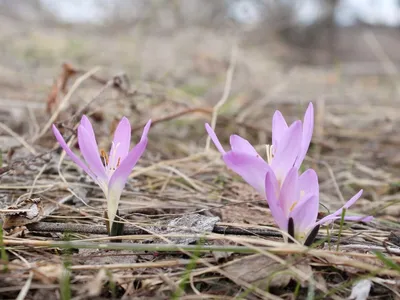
<point>132,230</point>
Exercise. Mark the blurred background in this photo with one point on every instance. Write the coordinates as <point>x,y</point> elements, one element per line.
<point>179,51</point>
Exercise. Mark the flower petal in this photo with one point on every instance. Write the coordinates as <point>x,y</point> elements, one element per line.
<point>145,130</point>
<point>215,139</point>
<point>279,126</point>
<point>286,154</point>
<point>304,215</point>
<point>71,154</point>
<point>308,183</point>
<point>289,193</point>
<point>239,144</point>
<point>271,191</point>
<point>308,127</point>
<point>337,214</point>
<point>90,153</point>
<point>120,176</point>
<point>250,167</point>
<point>121,143</point>
<point>85,122</point>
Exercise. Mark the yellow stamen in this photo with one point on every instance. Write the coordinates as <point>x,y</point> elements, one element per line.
<point>293,206</point>
<point>270,154</point>
<point>119,161</point>
<point>104,155</point>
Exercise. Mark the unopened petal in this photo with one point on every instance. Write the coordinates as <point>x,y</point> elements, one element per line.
<point>308,127</point>
<point>215,139</point>
<point>252,168</point>
<point>308,183</point>
<point>304,215</point>
<point>120,176</point>
<point>71,154</point>
<point>91,154</point>
<point>279,127</point>
<point>271,191</point>
<point>286,154</point>
<point>85,122</point>
<point>289,193</point>
<point>239,144</point>
<point>121,142</point>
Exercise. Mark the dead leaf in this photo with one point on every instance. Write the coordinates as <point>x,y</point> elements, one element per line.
<point>59,85</point>
<point>48,273</point>
<point>93,287</point>
<point>187,224</point>
<point>361,289</point>
<point>260,270</point>
<point>26,212</point>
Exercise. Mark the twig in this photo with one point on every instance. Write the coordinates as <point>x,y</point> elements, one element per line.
<point>225,95</point>
<point>64,101</point>
<point>18,138</point>
<point>389,67</point>
<point>174,116</point>
<point>133,230</point>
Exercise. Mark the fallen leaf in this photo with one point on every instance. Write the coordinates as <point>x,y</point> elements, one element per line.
<point>93,287</point>
<point>260,270</point>
<point>48,273</point>
<point>187,224</point>
<point>361,289</point>
<point>26,212</point>
<point>59,85</point>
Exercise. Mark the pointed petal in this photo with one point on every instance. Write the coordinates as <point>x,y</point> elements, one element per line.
<point>285,155</point>
<point>271,191</point>
<point>329,219</point>
<point>348,203</point>
<point>145,130</point>
<point>289,192</point>
<point>337,214</point>
<point>71,154</point>
<point>279,127</point>
<point>308,127</point>
<point>91,154</point>
<point>308,183</point>
<point>304,215</point>
<point>215,139</point>
<point>251,168</point>
<point>120,176</point>
<point>239,144</point>
<point>121,142</point>
<point>85,122</point>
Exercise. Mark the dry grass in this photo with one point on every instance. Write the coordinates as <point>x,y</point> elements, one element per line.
<point>181,87</point>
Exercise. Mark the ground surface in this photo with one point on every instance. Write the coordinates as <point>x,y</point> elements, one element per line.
<point>176,80</point>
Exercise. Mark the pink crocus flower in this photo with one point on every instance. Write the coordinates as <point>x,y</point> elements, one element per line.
<point>288,149</point>
<point>113,171</point>
<point>294,206</point>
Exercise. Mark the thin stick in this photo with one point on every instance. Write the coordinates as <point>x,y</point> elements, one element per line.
<point>389,67</point>
<point>18,138</point>
<point>65,100</point>
<point>225,95</point>
<point>133,230</point>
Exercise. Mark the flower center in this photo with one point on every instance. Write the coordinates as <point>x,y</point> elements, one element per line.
<point>113,162</point>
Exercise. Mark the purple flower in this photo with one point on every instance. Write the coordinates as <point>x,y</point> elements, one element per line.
<point>295,204</point>
<point>288,149</point>
<point>113,171</point>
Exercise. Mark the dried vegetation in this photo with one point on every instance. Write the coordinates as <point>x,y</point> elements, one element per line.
<point>54,243</point>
